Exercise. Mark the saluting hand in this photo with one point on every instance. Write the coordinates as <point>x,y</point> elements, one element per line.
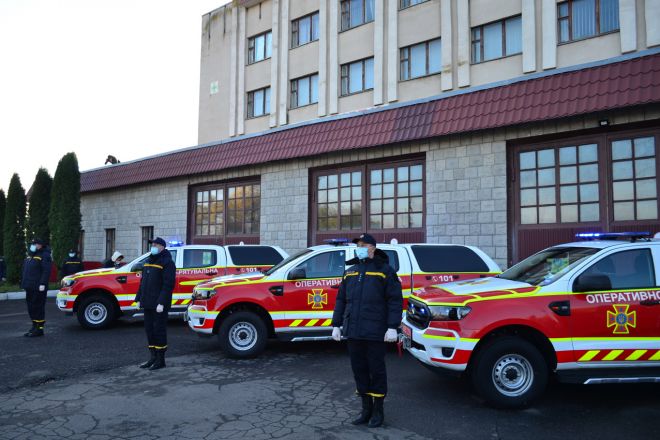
<point>336,334</point>
<point>159,308</point>
<point>391,335</point>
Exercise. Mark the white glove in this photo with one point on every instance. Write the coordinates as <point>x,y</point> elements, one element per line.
<point>336,334</point>
<point>42,288</point>
<point>391,335</point>
<point>159,308</point>
<point>137,304</point>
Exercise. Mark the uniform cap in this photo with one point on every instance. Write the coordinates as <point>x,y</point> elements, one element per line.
<point>365,238</point>
<point>159,241</point>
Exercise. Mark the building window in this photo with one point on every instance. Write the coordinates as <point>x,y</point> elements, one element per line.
<point>420,60</point>
<point>560,185</point>
<point>356,12</point>
<point>372,197</point>
<point>147,234</point>
<point>243,209</point>
<point>497,40</point>
<point>634,180</point>
<point>403,4</point>
<point>227,209</point>
<point>357,77</point>
<point>305,91</point>
<point>259,47</point>
<point>258,103</point>
<point>579,19</point>
<point>109,243</point>
<point>305,30</point>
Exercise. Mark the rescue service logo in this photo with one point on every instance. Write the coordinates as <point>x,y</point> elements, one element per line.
<point>620,319</point>
<point>317,299</point>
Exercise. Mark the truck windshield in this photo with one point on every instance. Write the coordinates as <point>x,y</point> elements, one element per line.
<point>287,261</point>
<point>547,266</point>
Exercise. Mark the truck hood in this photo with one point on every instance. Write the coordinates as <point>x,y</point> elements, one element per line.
<point>226,280</point>
<point>476,289</point>
<point>100,271</point>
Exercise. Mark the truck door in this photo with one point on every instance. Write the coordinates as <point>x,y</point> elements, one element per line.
<point>196,264</point>
<point>311,289</point>
<point>615,310</point>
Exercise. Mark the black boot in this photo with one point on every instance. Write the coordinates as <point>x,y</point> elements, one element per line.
<point>377,417</point>
<point>38,330</point>
<point>151,360</point>
<point>160,360</point>
<point>32,329</point>
<point>367,408</point>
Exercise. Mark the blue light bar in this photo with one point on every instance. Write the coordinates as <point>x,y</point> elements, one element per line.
<point>336,241</point>
<point>612,235</point>
<point>174,243</point>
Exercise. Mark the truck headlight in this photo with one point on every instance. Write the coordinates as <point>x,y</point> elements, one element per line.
<point>203,293</point>
<point>68,282</point>
<point>448,313</point>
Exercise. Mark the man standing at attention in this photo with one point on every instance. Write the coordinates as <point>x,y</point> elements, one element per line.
<point>369,306</point>
<point>155,297</point>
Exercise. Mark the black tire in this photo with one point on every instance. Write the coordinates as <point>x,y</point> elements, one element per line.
<point>509,372</point>
<point>243,335</point>
<point>96,312</point>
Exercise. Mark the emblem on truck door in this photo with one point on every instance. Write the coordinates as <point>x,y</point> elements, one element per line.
<point>317,298</point>
<point>620,319</point>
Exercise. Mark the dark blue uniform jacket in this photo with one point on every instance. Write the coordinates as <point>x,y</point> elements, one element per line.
<point>369,300</point>
<point>36,270</point>
<point>158,279</point>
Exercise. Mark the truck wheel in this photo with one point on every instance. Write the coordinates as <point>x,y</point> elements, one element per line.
<point>243,335</point>
<point>96,312</point>
<point>509,372</point>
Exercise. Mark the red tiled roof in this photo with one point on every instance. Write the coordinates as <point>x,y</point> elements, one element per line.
<point>617,85</point>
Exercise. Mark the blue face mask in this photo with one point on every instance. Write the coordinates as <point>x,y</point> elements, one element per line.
<point>33,248</point>
<point>362,253</point>
<point>71,255</point>
<point>154,250</point>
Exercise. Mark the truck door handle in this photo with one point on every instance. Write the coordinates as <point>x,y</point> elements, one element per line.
<point>121,280</point>
<point>649,302</point>
<point>561,308</point>
<point>276,290</point>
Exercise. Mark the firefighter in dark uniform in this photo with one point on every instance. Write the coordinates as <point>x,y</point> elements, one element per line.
<point>368,307</point>
<point>36,272</point>
<point>155,297</point>
<point>73,264</point>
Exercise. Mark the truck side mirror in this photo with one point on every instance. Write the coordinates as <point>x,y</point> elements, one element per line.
<point>297,274</point>
<point>592,283</point>
<point>137,267</point>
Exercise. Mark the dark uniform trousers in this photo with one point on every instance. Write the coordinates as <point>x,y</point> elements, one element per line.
<point>36,303</point>
<point>368,364</point>
<point>155,324</point>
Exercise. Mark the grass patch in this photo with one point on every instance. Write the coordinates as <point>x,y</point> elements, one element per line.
<point>6,287</point>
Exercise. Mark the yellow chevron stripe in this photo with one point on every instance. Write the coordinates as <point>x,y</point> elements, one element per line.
<point>311,323</point>
<point>185,301</point>
<point>636,355</point>
<point>296,323</point>
<point>327,322</point>
<point>612,355</point>
<point>656,356</point>
<point>589,355</point>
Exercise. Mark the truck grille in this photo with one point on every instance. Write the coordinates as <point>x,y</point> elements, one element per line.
<point>418,314</point>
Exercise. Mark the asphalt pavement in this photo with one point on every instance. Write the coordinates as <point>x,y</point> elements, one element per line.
<point>80,384</point>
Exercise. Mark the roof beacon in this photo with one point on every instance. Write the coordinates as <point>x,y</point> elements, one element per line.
<point>337,241</point>
<point>175,243</point>
<point>632,236</point>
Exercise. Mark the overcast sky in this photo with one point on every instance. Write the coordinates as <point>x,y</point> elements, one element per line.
<point>96,77</point>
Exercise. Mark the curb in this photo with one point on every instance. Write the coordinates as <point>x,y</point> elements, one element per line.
<point>21,295</point>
